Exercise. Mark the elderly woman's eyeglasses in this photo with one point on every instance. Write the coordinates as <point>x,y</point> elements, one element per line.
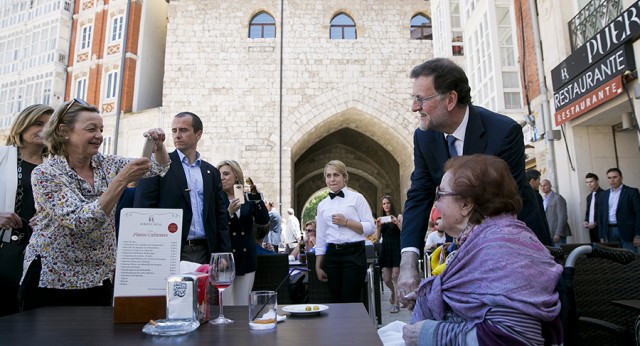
<point>440,193</point>
<point>422,100</point>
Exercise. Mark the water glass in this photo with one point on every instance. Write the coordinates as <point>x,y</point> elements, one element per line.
<point>263,310</point>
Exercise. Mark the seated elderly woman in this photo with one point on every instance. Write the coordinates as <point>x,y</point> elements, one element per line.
<point>70,259</point>
<point>498,287</point>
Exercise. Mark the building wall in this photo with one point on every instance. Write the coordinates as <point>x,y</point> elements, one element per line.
<point>594,141</point>
<point>151,51</point>
<point>137,86</point>
<point>34,41</point>
<point>233,83</point>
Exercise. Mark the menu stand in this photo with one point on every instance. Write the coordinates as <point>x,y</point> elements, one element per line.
<point>139,309</point>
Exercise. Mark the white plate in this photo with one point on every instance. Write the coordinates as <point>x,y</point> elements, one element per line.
<point>301,309</point>
<point>168,327</point>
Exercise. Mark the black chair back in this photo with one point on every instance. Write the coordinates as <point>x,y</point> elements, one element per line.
<point>591,284</point>
<point>271,271</point>
<point>318,291</point>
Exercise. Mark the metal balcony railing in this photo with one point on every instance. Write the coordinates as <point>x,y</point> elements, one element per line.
<point>591,19</point>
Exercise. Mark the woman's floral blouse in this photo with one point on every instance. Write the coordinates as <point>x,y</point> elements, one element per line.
<point>74,237</point>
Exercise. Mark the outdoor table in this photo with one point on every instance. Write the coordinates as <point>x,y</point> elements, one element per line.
<point>341,324</point>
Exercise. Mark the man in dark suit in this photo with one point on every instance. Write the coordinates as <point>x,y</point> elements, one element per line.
<point>619,217</point>
<point>591,215</point>
<point>533,177</point>
<point>451,126</point>
<point>194,186</point>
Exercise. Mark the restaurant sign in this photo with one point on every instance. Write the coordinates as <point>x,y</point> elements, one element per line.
<point>590,101</point>
<point>615,64</point>
<point>624,28</point>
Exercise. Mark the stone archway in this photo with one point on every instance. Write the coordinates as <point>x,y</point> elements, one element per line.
<point>375,144</point>
<point>373,171</point>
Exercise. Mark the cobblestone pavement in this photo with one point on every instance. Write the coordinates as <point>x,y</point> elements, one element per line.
<point>387,317</point>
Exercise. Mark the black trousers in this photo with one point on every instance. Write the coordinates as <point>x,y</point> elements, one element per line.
<point>31,296</point>
<point>346,269</point>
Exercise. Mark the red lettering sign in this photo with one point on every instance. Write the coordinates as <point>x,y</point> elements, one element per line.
<point>602,94</point>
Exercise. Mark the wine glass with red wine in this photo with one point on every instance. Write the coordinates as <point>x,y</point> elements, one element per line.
<point>222,271</point>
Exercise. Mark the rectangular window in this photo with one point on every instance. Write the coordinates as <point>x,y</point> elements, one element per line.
<point>116,28</point>
<point>46,92</point>
<point>106,145</point>
<point>112,84</point>
<point>85,42</point>
<point>81,88</point>
<point>512,100</point>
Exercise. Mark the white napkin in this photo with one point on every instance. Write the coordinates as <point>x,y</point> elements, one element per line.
<point>391,334</point>
<point>188,267</point>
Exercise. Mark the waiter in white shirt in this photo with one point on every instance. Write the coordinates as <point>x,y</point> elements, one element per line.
<point>343,221</point>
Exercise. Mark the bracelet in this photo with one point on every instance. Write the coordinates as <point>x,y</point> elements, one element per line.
<point>346,223</point>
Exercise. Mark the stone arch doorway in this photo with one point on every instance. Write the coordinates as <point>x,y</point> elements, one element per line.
<point>370,131</point>
<point>373,170</point>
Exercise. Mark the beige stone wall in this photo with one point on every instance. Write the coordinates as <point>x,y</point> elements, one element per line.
<point>233,82</point>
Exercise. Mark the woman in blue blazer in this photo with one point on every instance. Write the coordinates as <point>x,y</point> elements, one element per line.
<point>242,218</point>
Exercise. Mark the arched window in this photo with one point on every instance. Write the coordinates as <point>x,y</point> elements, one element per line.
<point>262,25</point>
<point>342,28</point>
<point>421,28</point>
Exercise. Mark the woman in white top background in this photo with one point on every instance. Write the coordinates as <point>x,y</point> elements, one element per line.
<point>343,220</point>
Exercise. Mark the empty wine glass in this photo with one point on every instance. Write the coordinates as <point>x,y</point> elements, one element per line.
<point>222,271</point>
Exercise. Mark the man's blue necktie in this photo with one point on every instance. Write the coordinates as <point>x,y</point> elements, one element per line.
<point>452,147</point>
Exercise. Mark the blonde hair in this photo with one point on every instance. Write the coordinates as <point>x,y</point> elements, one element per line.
<point>67,115</point>
<point>339,167</point>
<point>235,168</point>
<point>24,120</point>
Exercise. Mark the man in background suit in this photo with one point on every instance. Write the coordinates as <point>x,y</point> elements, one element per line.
<point>451,126</point>
<point>533,177</point>
<point>555,209</point>
<point>619,217</point>
<point>593,199</point>
<point>194,186</point>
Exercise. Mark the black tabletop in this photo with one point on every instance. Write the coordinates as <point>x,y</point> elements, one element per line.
<point>341,324</point>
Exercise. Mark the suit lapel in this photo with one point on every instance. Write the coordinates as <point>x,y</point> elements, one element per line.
<point>440,149</point>
<point>623,196</point>
<point>474,143</point>
<point>180,178</point>
<point>207,185</point>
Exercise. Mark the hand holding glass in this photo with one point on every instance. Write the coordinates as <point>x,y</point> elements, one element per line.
<point>222,271</point>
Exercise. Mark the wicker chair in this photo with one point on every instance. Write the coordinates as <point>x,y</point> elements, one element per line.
<point>558,254</point>
<point>567,248</point>
<point>271,271</point>
<point>597,282</point>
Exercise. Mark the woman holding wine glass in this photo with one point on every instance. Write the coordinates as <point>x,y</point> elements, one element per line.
<point>222,271</point>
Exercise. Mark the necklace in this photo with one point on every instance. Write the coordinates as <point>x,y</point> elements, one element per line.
<point>20,191</point>
<point>16,237</point>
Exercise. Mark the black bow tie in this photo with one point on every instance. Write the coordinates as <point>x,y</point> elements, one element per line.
<point>337,194</point>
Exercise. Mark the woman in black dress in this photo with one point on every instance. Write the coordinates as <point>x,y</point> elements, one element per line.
<point>389,227</point>
<point>24,151</point>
